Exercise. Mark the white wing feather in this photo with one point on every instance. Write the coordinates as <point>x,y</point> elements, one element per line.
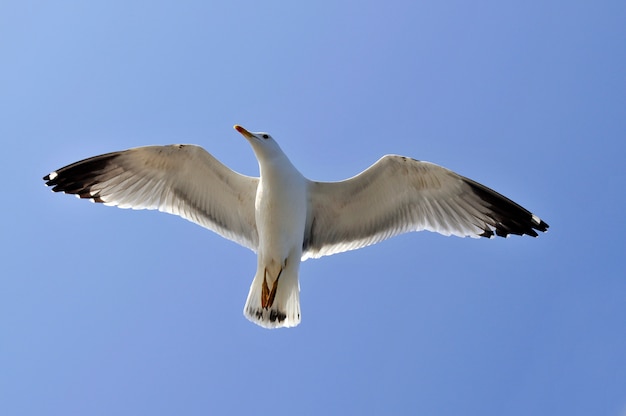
<point>183,180</point>
<point>398,195</point>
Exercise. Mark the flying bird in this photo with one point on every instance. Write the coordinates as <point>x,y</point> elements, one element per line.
<point>286,218</point>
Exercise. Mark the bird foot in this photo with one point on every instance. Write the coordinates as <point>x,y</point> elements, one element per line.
<point>267,295</point>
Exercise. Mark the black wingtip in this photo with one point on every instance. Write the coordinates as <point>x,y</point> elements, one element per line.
<point>542,226</point>
<point>509,217</point>
<point>79,177</point>
<point>51,179</point>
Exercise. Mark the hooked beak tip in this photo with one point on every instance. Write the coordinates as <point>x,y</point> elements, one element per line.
<point>243,131</point>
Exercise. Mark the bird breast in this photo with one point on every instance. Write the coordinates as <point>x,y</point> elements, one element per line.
<point>281,210</point>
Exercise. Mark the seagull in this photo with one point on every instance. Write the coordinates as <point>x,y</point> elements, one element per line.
<point>286,218</point>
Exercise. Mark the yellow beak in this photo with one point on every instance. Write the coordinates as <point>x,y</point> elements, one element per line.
<point>243,131</point>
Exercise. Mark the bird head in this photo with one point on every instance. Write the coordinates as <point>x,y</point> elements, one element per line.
<point>263,144</point>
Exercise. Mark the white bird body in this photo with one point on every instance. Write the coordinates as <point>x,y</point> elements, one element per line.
<point>286,218</point>
<point>281,212</point>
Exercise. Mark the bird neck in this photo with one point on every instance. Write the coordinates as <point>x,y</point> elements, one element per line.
<point>277,168</point>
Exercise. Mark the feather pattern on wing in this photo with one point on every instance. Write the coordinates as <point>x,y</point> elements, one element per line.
<point>397,195</point>
<point>183,180</point>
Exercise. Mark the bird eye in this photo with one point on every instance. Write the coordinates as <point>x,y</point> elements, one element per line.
<point>266,136</point>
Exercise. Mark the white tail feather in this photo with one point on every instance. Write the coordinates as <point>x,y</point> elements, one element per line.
<point>284,311</point>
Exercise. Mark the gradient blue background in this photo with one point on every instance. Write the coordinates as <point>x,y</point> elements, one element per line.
<point>114,312</point>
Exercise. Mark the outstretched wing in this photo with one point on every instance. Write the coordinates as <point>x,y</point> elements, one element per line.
<point>183,180</point>
<point>397,195</point>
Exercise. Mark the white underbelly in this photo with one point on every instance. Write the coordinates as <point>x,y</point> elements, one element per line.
<point>281,212</point>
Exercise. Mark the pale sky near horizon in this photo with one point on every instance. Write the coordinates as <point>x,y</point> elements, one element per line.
<point>106,311</point>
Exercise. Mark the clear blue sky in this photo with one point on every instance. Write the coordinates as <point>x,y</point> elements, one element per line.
<point>106,311</point>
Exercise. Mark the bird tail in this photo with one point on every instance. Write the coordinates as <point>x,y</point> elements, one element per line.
<point>274,302</point>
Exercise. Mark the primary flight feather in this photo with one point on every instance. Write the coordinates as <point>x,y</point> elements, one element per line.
<point>286,218</point>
